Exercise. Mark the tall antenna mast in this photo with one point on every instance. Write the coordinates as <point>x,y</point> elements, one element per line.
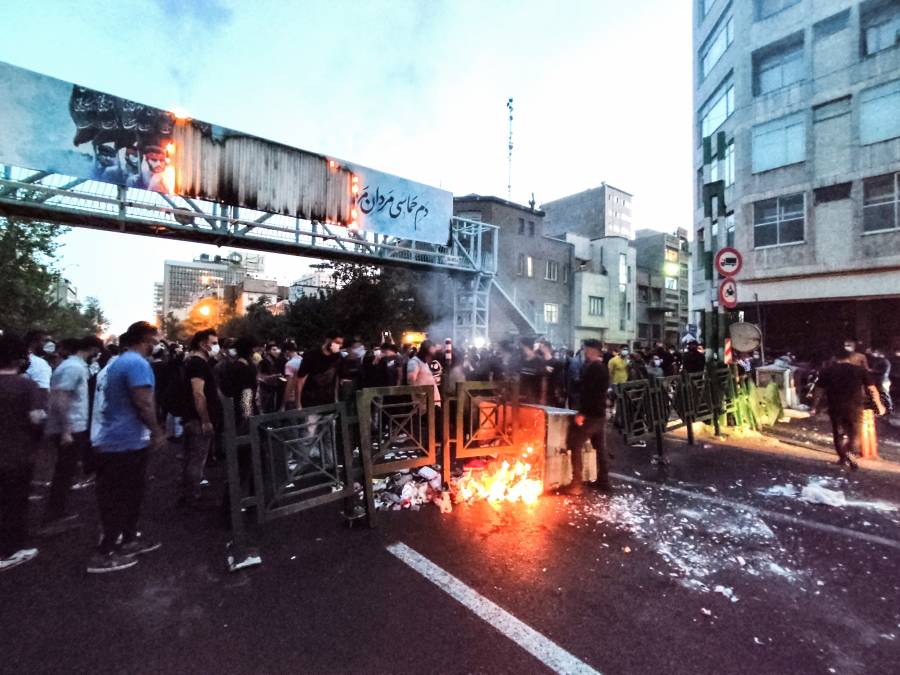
<point>509,104</point>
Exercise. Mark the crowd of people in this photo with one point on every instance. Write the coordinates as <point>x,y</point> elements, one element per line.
<point>100,409</point>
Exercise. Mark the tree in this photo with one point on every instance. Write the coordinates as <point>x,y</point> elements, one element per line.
<point>28,253</point>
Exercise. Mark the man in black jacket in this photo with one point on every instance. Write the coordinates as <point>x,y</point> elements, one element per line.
<point>590,421</point>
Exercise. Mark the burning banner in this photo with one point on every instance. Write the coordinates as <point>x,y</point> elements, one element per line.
<point>59,127</point>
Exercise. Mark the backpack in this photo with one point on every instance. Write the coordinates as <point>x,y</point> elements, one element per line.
<point>177,398</point>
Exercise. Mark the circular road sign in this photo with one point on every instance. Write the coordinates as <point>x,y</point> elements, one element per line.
<point>728,293</point>
<point>729,261</point>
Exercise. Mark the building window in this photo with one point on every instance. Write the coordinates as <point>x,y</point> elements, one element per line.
<point>716,46</point>
<point>529,267</point>
<point>767,8</point>
<point>521,226</point>
<point>879,113</point>
<point>671,254</point>
<point>595,306</point>
<point>530,228</point>
<point>778,221</point>
<point>551,271</point>
<point>831,109</point>
<point>671,284</point>
<point>880,28</point>
<point>628,311</point>
<point>779,66</point>
<point>520,265</point>
<point>643,294</point>
<point>832,25</point>
<point>729,229</point>
<point>623,301</point>
<point>779,142</point>
<point>683,273</point>
<point>706,6</point>
<point>644,331</point>
<point>623,267</point>
<point>551,312</point>
<point>729,164</point>
<point>881,203</point>
<point>656,295</point>
<point>717,109</point>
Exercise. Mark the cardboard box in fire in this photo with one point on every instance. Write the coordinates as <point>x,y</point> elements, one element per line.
<point>546,429</point>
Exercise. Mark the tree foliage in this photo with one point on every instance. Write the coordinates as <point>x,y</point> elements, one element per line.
<point>28,256</point>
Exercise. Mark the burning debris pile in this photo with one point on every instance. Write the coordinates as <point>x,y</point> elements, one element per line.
<point>504,479</point>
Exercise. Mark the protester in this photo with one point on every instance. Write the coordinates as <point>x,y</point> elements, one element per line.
<point>853,356</point>
<point>694,361</point>
<point>67,429</point>
<point>845,386</point>
<point>531,373</point>
<point>317,377</point>
<point>391,366</point>
<point>21,414</point>
<point>590,422</point>
<point>129,431</point>
<point>419,372</point>
<point>291,367</point>
<point>39,369</point>
<point>239,383</point>
<point>202,417</point>
<point>271,379</point>
<point>618,367</point>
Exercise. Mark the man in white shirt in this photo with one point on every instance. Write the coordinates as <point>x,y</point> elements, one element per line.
<point>67,428</point>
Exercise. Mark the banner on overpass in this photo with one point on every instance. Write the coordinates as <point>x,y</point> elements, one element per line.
<point>55,126</point>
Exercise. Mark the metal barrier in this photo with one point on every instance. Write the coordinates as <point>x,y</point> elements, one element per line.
<point>646,406</point>
<point>480,418</point>
<point>397,427</point>
<point>289,462</point>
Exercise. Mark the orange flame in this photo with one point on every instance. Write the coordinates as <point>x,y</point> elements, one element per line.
<point>506,483</point>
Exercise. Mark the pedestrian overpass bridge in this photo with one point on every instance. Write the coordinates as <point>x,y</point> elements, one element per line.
<point>107,163</point>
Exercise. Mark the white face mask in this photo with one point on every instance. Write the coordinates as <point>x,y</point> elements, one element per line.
<point>214,350</point>
<point>232,352</point>
<point>49,348</point>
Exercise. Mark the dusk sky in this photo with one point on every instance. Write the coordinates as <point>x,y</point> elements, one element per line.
<point>602,92</point>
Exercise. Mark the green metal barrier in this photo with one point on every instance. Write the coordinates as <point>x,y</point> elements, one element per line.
<point>397,427</point>
<point>289,462</point>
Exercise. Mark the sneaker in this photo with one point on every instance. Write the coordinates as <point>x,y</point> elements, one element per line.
<point>138,546</point>
<point>639,444</point>
<point>59,525</point>
<point>101,563</point>
<point>17,558</point>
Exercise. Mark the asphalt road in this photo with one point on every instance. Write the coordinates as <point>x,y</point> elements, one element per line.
<point>670,574</point>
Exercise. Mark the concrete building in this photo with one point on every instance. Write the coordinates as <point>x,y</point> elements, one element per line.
<point>312,284</point>
<point>158,292</point>
<point>64,293</point>
<point>603,289</point>
<point>532,291</point>
<point>663,294</point>
<point>249,291</point>
<point>797,157</point>
<point>603,211</point>
<point>184,282</point>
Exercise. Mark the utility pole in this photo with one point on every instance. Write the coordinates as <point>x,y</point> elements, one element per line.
<point>509,104</point>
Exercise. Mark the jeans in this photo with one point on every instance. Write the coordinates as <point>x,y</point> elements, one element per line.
<point>594,428</point>
<point>196,449</point>
<point>120,492</point>
<point>15,482</point>
<point>67,457</point>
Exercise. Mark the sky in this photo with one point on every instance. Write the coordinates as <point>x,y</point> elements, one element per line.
<point>602,92</point>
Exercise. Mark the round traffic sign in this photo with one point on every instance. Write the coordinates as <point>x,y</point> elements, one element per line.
<point>729,261</point>
<point>728,293</point>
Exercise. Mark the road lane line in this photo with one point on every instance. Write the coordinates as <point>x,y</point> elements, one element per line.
<point>542,648</point>
<point>774,515</point>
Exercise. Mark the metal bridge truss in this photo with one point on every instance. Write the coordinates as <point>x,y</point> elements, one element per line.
<point>470,254</point>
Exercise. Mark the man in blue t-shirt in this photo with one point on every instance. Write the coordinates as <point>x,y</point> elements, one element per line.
<point>129,430</point>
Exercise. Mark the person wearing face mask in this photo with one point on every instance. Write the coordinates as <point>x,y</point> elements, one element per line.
<point>854,357</point>
<point>271,379</point>
<point>202,417</point>
<point>128,431</point>
<point>67,428</point>
<point>655,367</point>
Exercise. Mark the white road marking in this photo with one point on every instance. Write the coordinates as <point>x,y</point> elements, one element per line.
<point>774,515</point>
<point>542,648</point>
